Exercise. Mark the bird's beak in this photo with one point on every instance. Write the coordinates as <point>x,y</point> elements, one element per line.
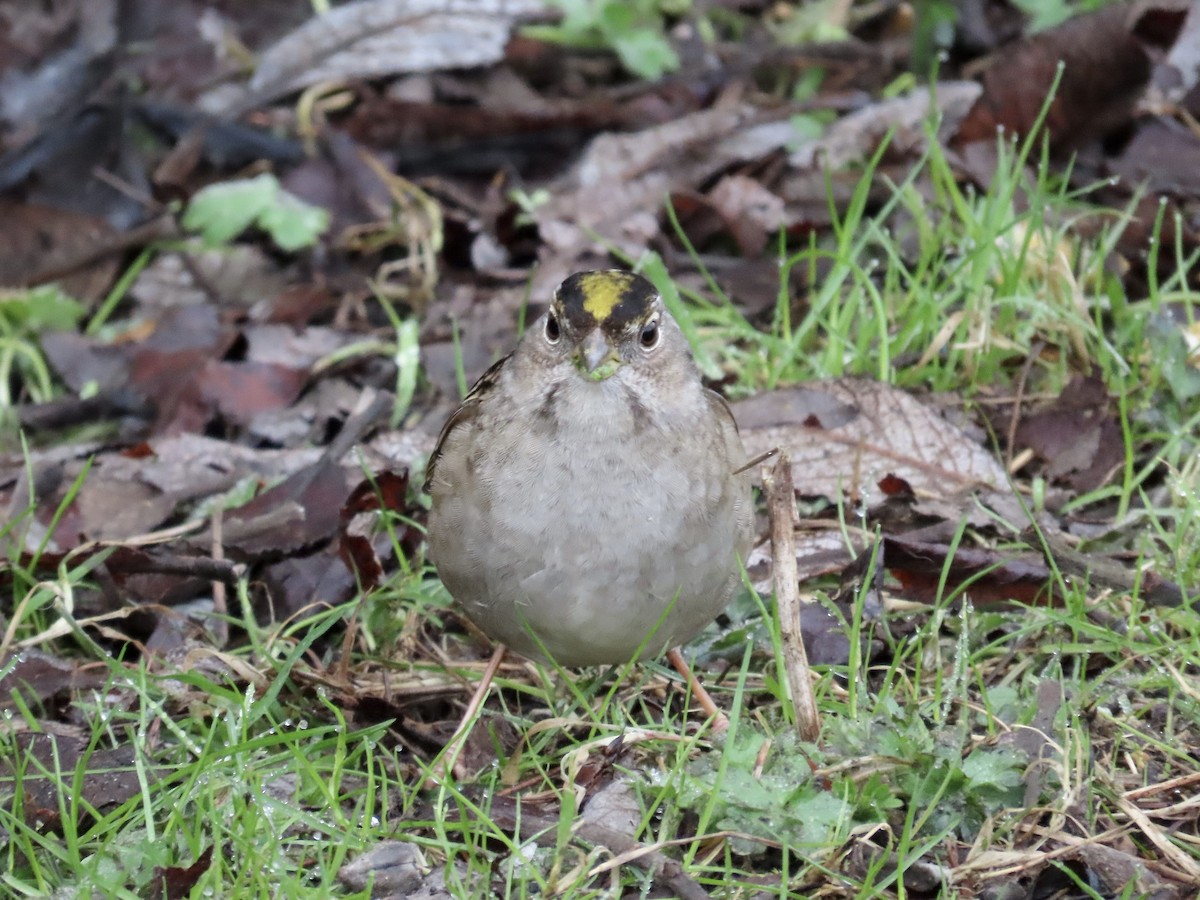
<point>596,358</point>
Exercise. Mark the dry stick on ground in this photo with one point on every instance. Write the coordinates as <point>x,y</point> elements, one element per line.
<point>1014,418</point>
<point>781,507</point>
<point>72,411</point>
<point>151,563</point>
<point>220,619</point>
<point>162,228</point>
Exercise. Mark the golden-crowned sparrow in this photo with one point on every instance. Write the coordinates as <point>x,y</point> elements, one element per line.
<point>588,498</point>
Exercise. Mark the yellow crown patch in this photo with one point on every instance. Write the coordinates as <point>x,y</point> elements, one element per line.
<point>602,291</point>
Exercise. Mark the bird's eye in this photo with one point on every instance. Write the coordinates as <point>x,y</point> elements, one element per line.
<point>553,331</point>
<point>650,334</point>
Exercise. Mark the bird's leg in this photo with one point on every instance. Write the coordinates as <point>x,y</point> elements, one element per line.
<point>449,760</point>
<point>720,721</point>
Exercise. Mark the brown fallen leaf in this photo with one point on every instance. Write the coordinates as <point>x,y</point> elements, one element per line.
<point>616,189</point>
<point>901,120</point>
<point>846,435</point>
<point>991,576</point>
<point>751,213</point>
<point>821,549</point>
<point>240,391</point>
<point>34,239</point>
<point>526,824</point>
<point>357,548</point>
<point>34,677</point>
<point>1115,872</point>
<point>113,509</point>
<point>390,868</point>
<point>1024,575</point>
<point>191,466</point>
<point>253,529</point>
<point>45,767</point>
<point>303,510</point>
<point>371,38</point>
<point>613,804</point>
<point>452,138</point>
<point>1179,72</point>
<point>1078,435</point>
<point>1106,67</point>
<point>1162,157</point>
<point>177,881</point>
<point>237,276</point>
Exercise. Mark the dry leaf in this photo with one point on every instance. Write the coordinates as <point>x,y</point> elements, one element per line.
<point>854,137</point>
<point>372,38</point>
<point>751,212</point>
<point>845,436</point>
<point>618,187</point>
<point>1105,70</point>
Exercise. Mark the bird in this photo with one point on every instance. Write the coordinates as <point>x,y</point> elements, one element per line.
<point>589,498</point>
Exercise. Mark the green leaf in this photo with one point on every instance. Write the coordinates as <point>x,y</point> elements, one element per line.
<point>38,309</point>
<point>292,223</point>
<point>221,212</point>
<point>1173,357</point>
<point>616,19</point>
<point>781,802</point>
<point>992,768</point>
<point>1044,14</point>
<point>579,17</point>
<point>643,51</point>
<point>808,127</point>
<point>635,31</point>
<point>646,53</point>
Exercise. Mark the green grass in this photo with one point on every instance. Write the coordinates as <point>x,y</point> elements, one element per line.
<point>24,314</point>
<point>261,757</point>
<point>994,274</point>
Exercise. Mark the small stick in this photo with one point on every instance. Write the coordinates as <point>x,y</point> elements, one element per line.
<point>220,620</point>
<point>781,506</point>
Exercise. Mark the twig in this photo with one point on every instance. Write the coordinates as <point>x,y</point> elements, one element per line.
<point>70,411</point>
<point>781,507</point>
<point>150,563</point>
<point>1014,418</point>
<point>220,605</point>
<point>158,229</point>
